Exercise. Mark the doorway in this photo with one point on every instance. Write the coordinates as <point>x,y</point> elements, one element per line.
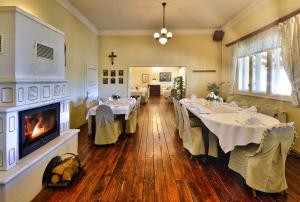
<point>157,80</point>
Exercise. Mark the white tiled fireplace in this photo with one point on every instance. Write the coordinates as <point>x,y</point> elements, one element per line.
<point>31,76</point>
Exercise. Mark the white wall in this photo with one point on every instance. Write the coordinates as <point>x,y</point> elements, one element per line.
<point>192,51</point>
<point>153,72</point>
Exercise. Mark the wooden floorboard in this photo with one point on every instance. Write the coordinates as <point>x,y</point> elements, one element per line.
<point>151,165</point>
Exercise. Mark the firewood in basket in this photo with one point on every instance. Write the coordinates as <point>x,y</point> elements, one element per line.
<point>62,166</point>
<point>55,179</point>
<point>75,163</point>
<point>69,173</point>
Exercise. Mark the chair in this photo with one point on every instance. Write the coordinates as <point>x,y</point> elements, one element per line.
<point>131,122</point>
<point>145,98</point>
<point>89,103</point>
<point>192,138</point>
<point>176,112</point>
<point>138,104</point>
<point>173,94</point>
<point>180,119</point>
<point>108,129</point>
<point>263,166</point>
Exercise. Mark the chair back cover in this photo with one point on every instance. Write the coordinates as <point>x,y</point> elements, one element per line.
<point>138,103</point>
<point>173,93</point>
<point>175,111</point>
<point>104,114</point>
<point>180,119</point>
<point>264,169</point>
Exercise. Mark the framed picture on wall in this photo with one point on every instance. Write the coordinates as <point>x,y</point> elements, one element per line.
<point>121,72</point>
<point>105,80</point>
<point>112,73</point>
<point>112,80</point>
<point>165,76</point>
<point>105,72</point>
<point>145,78</point>
<point>121,81</point>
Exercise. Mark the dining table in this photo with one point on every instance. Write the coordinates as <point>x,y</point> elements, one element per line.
<point>141,91</point>
<point>233,125</point>
<point>120,107</point>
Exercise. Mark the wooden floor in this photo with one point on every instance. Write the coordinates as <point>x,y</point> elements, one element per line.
<point>152,165</point>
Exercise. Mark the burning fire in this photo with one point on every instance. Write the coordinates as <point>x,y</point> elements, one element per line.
<point>39,124</point>
<point>38,129</point>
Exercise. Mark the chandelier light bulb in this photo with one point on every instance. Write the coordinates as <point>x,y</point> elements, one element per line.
<point>163,40</point>
<point>169,35</point>
<point>163,30</point>
<point>156,35</point>
<point>164,35</point>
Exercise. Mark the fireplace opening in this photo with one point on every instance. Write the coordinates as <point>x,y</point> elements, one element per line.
<point>38,126</point>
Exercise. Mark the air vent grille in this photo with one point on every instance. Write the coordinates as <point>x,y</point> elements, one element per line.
<point>44,52</point>
<point>1,44</point>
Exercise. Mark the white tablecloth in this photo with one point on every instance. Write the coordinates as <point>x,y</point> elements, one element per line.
<point>231,127</point>
<point>122,107</point>
<point>138,92</point>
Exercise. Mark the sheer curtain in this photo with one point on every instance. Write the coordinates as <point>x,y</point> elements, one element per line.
<point>290,37</point>
<point>266,40</point>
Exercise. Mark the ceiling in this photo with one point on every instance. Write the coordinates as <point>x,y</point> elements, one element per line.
<point>109,15</point>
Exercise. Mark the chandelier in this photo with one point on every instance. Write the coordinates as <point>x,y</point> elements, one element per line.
<point>164,35</point>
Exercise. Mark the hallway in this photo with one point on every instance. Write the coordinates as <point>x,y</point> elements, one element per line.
<point>152,165</point>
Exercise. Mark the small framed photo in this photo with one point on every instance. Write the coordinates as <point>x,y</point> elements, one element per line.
<point>105,80</point>
<point>112,73</point>
<point>105,72</point>
<point>121,72</point>
<point>112,80</point>
<point>145,78</point>
<point>121,81</point>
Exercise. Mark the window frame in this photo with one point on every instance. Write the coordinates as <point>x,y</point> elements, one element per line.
<point>268,94</point>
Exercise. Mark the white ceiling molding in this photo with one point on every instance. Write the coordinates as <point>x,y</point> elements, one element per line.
<point>244,13</point>
<point>150,32</point>
<point>69,7</point>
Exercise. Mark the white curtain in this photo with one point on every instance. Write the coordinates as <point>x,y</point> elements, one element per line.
<point>266,40</point>
<point>232,64</point>
<point>290,46</point>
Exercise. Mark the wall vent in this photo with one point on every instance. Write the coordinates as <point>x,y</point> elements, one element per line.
<point>1,44</point>
<point>44,52</point>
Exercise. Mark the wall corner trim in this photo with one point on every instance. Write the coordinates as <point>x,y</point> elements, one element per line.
<point>74,11</point>
<point>243,13</point>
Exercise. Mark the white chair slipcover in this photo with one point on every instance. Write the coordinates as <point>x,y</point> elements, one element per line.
<point>89,104</point>
<point>145,99</point>
<point>108,129</point>
<point>131,122</point>
<point>176,112</point>
<point>192,138</point>
<point>263,166</point>
<point>173,94</point>
<point>138,104</point>
<point>180,118</point>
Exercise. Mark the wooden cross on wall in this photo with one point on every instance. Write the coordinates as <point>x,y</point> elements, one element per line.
<point>112,56</point>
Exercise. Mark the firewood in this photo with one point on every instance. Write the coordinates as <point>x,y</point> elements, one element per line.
<point>69,173</point>
<point>75,163</point>
<point>55,179</point>
<point>61,167</point>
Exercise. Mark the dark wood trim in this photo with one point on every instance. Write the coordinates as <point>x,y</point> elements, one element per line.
<point>204,71</point>
<point>276,22</point>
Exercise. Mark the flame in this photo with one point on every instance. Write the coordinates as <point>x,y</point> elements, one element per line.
<point>38,125</point>
<point>38,129</point>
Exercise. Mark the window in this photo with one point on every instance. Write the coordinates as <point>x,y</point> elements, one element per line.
<point>263,73</point>
<point>243,69</point>
<point>259,72</point>
<point>280,82</point>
